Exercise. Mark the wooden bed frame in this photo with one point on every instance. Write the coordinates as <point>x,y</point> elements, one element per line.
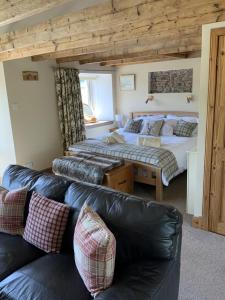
<point>146,173</point>
<point>152,174</point>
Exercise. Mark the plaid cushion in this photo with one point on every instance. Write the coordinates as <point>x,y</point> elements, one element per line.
<point>133,126</point>
<point>184,128</point>
<point>46,223</point>
<point>12,210</point>
<point>95,251</point>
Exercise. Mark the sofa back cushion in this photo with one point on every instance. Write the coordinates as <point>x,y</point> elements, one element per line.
<point>16,177</point>
<point>51,186</point>
<point>142,229</point>
<point>47,185</point>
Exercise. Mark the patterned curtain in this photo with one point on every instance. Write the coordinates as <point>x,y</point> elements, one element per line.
<point>70,107</point>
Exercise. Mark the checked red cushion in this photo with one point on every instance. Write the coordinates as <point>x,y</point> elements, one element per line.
<point>46,223</point>
<point>95,251</point>
<point>12,210</point>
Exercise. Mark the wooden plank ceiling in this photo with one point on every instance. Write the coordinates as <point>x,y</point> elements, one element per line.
<point>16,10</point>
<point>117,33</point>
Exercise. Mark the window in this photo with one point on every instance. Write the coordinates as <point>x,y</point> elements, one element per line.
<point>97,96</point>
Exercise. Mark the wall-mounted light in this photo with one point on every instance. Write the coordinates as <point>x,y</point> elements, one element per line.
<point>190,98</point>
<point>150,98</point>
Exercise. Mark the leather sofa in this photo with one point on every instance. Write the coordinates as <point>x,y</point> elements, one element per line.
<point>148,238</point>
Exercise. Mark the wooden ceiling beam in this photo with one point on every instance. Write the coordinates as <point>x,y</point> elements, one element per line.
<point>108,56</point>
<point>114,22</point>
<point>139,60</point>
<point>16,10</point>
<point>112,49</point>
<point>179,40</point>
<point>103,57</point>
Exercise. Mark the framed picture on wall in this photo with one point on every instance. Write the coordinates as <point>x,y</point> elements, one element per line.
<point>30,75</point>
<point>171,81</point>
<point>128,82</point>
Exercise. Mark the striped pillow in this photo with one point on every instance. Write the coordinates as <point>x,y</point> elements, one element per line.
<point>46,223</point>
<point>12,205</point>
<point>94,250</point>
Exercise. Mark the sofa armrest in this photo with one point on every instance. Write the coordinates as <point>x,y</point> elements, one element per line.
<point>146,281</point>
<point>156,279</point>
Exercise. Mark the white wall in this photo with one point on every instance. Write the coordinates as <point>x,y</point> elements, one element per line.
<point>206,29</point>
<point>7,150</point>
<point>34,113</point>
<point>128,101</point>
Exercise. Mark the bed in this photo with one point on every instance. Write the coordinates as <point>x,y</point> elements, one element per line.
<point>145,171</point>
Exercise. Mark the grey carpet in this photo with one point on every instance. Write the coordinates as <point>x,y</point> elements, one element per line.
<point>202,265</point>
<point>203,253</point>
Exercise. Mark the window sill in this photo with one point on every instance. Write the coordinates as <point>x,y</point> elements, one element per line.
<point>98,124</point>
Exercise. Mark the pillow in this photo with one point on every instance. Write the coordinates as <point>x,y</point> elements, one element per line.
<point>184,128</point>
<point>191,119</point>
<point>150,117</point>
<point>46,223</point>
<point>133,126</point>
<point>195,132</point>
<point>12,205</point>
<point>167,128</point>
<point>152,128</point>
<point>173,117</point>
<point>118,137</point>
<point>113,138</point>
<point>108,139</point>
<point>94,250</point>
<point>149,141</point>
<point>184,118</point>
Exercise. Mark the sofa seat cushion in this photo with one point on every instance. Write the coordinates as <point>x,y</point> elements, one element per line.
<point>52,277</point>
<point>15,252</point>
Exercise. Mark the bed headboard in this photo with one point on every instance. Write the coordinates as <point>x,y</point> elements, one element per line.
<point>154,113</point>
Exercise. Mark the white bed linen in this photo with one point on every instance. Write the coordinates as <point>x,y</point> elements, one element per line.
<point>177,145</point>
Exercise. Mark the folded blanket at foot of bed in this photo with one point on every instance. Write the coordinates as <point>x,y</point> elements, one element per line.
<point>85,166</point>
<point>158,157</point>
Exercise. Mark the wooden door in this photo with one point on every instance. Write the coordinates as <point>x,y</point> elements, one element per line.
<point>216,216</point>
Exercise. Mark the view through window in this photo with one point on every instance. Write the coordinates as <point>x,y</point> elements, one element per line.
<point>97,96</point>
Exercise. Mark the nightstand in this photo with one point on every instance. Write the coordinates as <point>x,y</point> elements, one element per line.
<point>113,129</point>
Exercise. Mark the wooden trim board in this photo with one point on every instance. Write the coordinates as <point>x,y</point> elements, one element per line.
<point>154,113</point>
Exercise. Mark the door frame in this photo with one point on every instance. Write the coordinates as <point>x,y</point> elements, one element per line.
<point>204,221</point>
